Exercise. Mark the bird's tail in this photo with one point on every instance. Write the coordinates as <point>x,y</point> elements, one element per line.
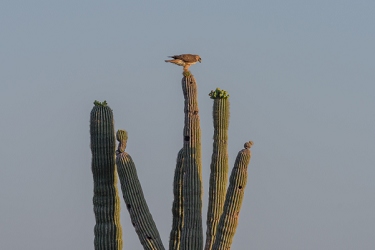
<point>168,61</point>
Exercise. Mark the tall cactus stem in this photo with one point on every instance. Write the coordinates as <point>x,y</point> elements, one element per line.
<point>107,231</point>
<point>134,199</point>
<point>233,201</point>
<point>178,205</point>
<point>192,232</point>
<point>219,168</point>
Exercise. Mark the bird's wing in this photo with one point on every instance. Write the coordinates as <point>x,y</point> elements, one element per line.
<point>176,61</point>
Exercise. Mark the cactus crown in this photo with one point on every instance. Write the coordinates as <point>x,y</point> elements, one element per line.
<point>186,73</point>
<point>121,135</point>
<point>218,94</point>
<point>102,104</point>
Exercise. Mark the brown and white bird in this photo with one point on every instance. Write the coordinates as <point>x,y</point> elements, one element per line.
<point>185,60</point>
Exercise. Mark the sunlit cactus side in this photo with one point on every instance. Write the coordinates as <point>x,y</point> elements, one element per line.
<point>178,205</point>
<point>233,201</point>
<point>134,199</point>
<point>108,232</point>
<point>192,231</point>
<point>219,164</point>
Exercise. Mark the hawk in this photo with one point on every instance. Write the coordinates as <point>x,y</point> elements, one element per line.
<point>185,60</point>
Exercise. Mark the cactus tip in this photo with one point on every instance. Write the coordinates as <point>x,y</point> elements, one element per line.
<point>218,94</point>
<point>121,135</point>
<point>103,104</point>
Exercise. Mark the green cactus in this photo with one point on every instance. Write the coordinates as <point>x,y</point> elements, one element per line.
<point>108,232</point>
<point>219,167</point>
<point>134,199</point>
<point>187,232</point>
<point>192,231</point>
<point>233,201</point>
<point>178,205</point>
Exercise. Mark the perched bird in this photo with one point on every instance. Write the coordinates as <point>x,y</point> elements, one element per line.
<point>185,60</point>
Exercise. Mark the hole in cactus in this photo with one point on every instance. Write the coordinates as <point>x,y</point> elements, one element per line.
<point>195,112</point>
<point>187,138</point>
<point>149,237</point>
<point>239,187</point>
<point>133,224</point>
<point>191,82</point>
<point>128,206</point>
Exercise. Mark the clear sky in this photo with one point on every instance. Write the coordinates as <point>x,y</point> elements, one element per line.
<point>301,79</point>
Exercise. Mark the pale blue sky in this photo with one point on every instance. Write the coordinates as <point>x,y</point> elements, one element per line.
<point>301,76</point>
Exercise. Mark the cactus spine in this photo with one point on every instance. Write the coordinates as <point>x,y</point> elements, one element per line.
<point>219,164</point>
<point>233,201</point>
<point>108,232</point>
<point>178,205</point>
<point>192,232</point>
<point>134,199</point>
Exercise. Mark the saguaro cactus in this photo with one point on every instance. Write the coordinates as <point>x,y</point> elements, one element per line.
<point>237,183</point>
<point>219,163</point>
<point>108,233</point>
<point>192,232</point>
<point>134,199</point>
<point>187,233</point>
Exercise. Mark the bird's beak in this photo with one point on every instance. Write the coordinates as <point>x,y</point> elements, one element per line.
<point>199,60</point>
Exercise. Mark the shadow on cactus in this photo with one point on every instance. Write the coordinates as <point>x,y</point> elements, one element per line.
<point>224,199</point>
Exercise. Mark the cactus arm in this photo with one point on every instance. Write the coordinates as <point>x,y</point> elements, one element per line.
<point>107,231</point>
<point>134,199</point>
<point>233,201</point>
<point>219,168</point>
<point>177,207</point>
<point>192,232</point>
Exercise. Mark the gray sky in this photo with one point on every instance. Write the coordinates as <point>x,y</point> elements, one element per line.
<point>300,75</point>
